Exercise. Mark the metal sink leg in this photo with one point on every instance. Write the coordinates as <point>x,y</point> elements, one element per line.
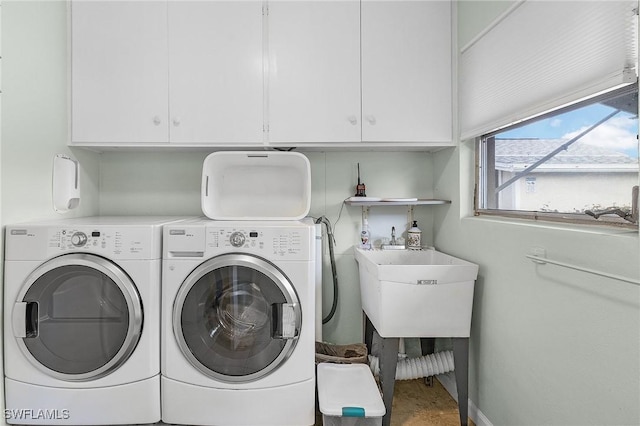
<point>461,360</point>
<point>388,363</point>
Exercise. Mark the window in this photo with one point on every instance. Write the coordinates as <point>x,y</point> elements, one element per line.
<point>578,163</point>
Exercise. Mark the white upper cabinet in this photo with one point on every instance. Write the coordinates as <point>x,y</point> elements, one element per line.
<point>406,71</point>
<point>314,71</point>
<point>215,72</point>
<point>119,72</point>
<point>231,73</point>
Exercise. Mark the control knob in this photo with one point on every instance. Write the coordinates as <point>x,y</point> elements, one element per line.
<point>79,239</point>
<point>237,239</point>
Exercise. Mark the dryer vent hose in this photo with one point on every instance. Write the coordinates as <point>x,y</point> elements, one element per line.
<point>415,368</point>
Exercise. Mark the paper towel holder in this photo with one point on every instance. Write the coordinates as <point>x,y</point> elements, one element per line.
<point>66,183</point>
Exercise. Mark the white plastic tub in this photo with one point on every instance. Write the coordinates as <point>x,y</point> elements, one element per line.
<point>348,395</point>
<point>256,186</point>
<point>407,293</point>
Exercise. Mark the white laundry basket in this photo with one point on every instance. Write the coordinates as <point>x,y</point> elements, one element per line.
<point>256,185</point>
<point>349,396</point>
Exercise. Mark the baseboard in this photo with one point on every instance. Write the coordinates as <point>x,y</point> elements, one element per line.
<point>448,381</point>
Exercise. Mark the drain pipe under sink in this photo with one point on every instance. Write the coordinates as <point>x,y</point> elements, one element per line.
<point>418,367</point>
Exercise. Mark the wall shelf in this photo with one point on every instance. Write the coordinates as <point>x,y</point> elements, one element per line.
<point>419,202</point>
<point>409,204</point>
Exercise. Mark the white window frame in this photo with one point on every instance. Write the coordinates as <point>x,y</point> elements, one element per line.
<point>485,173</point>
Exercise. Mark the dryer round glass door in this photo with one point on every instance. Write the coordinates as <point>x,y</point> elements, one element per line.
<point>236,318</point>
<point>78,317</point>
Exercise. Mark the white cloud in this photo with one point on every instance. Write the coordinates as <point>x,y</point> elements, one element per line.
<point>556,122</point>
<point>619,133</point>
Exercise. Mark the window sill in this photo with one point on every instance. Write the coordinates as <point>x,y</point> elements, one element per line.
<point>627,231</point>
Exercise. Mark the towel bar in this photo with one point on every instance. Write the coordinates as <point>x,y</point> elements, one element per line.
<point>543,260</point>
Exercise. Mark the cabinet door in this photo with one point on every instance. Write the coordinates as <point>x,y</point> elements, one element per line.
<point>119,72</point>
<point>216,72</point>
<point>314,71</point>
<point>406,71</point>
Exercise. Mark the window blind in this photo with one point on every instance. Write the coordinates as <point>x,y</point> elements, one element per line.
<point>541,55</point>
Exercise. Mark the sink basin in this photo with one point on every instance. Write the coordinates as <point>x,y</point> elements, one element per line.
<point>424,293</point>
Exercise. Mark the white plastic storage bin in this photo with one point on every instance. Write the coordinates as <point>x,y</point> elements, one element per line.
<point>348,395</point>
<point>256,186</point>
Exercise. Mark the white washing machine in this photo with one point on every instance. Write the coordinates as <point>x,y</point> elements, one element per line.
<point>238,323</point>
<point>82,321</point>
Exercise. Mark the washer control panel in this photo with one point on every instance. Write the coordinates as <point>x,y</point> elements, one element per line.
<point>281,242</point>
<point>290,241</point>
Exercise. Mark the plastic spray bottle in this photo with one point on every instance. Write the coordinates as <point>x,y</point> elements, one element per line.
<point>365,242</point>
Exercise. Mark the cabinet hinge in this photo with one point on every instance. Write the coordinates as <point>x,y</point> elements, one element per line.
<point>265,9</point>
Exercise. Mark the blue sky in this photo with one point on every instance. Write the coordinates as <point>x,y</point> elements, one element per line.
<point>618,134</point>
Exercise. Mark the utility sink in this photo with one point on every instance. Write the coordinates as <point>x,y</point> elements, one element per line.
<point>425,293</point>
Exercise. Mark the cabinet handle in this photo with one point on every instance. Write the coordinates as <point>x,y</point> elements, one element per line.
<point>176,121</point>
<point>156,120</point>
<point>353,120</point>
<point>371,119</point>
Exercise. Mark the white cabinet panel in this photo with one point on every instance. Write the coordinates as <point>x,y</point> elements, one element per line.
<point>216,71</point>
<point>119,72</point>
<point>314,71</point>
<point>223,73</point>
<point>406,71</point>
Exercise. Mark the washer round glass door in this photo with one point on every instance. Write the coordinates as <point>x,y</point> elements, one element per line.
<point>236,318</point>
<point>78,317</point>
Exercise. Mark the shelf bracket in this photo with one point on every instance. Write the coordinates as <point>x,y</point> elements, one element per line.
<point>365,213</point>
<point>409,216</point>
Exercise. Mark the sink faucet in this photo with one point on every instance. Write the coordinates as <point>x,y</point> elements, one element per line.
<point>393,244</point>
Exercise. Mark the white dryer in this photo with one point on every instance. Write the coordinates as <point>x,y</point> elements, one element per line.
<point>82,321</point>
<point>238,321</point>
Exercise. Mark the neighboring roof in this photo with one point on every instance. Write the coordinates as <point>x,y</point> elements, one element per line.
<point>517,154</point>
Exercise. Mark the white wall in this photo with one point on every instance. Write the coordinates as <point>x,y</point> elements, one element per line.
<point>34,105</point>
<point>568,191</point>
<point>549,345</point>
<point>34,115</point>
<point>169,183</point>
<point>476,15</point>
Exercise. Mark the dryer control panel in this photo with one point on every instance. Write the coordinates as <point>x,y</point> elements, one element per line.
<point>43,242</point>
